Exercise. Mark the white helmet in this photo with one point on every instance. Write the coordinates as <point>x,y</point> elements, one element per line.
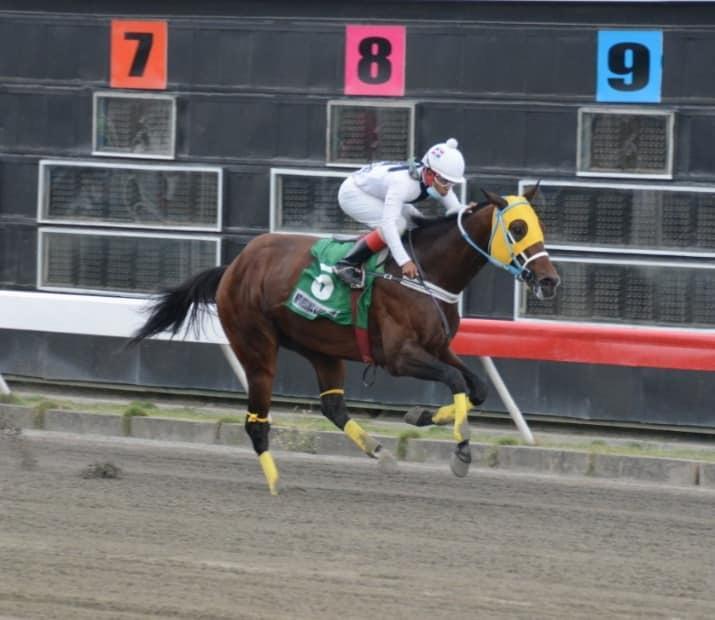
<point>446,160</point>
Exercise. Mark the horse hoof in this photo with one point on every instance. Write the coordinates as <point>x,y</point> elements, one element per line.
<point>460,460</point>
<point>418,416</point>
<point>386,461</point>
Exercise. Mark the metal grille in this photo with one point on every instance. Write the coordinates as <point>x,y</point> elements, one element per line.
<point>625,144</point>
<point>134,125</point>
<point>130,196</point>
<point>647,294</point>
<point>310,204</point>
<point>120,263</point>
<point>629,218</point>
<point>359,134</point>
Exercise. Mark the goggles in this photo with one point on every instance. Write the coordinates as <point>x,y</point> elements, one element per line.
<point>441,181</point>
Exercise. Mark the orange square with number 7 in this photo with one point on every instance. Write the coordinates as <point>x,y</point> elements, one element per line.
<point>138,54</point>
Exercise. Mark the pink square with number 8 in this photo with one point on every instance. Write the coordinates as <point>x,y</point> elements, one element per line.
<point>375,60</point>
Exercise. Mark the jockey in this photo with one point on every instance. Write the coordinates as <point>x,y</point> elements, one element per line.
<point>381,195</point>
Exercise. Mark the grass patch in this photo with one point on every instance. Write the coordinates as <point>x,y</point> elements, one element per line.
<point>41,408</point>
<point>132,411</point>
<point>45,405</point>
<point>508,441</point>
<point>402,439</point>
<point>655,451</point>
<point>143,404</point>
<point>231,419</point>
<point>9,399</point>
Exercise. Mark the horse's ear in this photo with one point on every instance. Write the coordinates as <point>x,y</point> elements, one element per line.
<point>530,193</point>
<point>494,199</point>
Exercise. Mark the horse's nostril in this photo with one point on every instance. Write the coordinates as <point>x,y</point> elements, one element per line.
<point>549,282</point>
<point>547,287</point>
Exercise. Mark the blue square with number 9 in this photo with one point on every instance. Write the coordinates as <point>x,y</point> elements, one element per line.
<point>629,66</point>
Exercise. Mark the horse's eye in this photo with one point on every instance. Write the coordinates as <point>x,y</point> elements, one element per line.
<point>518,230</point>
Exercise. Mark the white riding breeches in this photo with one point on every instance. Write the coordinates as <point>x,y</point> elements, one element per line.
<point>367,209</point>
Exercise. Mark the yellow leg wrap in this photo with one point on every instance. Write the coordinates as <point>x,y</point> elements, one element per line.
<point>270,471</point>
<point>362,440</point>
<point>445,414</point>
<point>461,423</point>
<point>333,391</point>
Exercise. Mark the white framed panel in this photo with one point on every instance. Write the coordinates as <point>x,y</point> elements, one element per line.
<point>632,218</point>
<point>131,124</point>
<point>311,193</point>
<point>626,291</point>
<point>364,131</point>
<point>118,262</point>
<point>306,201</point>
<point>625,142</point>
<point>130,195</point>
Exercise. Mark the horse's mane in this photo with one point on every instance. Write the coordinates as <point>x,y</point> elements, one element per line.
<point>425,221</point>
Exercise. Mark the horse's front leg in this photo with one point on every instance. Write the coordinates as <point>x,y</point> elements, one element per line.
<point>413,361</point>
<point>419,416</point>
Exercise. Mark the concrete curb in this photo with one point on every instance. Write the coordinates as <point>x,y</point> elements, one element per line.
<point>19,417</point>
<point>79,422</point>
<point>563,462</point>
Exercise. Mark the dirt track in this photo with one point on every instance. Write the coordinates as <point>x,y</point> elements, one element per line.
<point>193,534</point>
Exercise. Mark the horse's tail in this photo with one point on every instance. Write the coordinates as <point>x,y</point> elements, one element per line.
<point>171,308</point>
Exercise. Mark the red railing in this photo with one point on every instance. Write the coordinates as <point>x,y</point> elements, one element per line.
<point>592,344</point>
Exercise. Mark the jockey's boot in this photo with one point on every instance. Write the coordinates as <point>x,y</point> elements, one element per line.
<point>349,268</point>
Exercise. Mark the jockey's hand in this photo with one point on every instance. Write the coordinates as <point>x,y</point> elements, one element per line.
<point>409,270</point>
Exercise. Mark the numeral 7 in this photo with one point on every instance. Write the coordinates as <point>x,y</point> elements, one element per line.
<point>145,41</point>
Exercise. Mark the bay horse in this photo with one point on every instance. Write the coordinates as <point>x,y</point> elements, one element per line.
<point>409,331</point>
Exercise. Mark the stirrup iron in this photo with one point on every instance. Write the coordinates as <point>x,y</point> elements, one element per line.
<point>352,275</point>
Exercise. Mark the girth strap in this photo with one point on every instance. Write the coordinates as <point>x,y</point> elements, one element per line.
<point>362,336</point>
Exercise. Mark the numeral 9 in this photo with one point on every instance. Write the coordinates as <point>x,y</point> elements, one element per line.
<point>632,61</point>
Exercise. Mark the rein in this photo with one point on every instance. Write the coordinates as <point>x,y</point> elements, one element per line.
<point>421,274</point>
<point>423,286</point>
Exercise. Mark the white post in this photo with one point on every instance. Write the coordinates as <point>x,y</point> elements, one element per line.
<point>3,386</point>
<point>511,406</point>
<point>235,365</point>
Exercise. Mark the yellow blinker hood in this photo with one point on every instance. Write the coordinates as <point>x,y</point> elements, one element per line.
<point>500,246</point>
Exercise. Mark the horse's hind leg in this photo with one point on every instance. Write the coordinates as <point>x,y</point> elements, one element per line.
<point>331,379</point>
<point>256,346</point>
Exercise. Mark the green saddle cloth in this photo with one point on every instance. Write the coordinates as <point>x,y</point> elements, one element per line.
<point>319,293</point>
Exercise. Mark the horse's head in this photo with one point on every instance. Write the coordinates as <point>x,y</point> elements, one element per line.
<point>516,242</point>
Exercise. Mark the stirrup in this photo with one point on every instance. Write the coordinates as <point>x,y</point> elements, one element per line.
<point>352,275</point>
